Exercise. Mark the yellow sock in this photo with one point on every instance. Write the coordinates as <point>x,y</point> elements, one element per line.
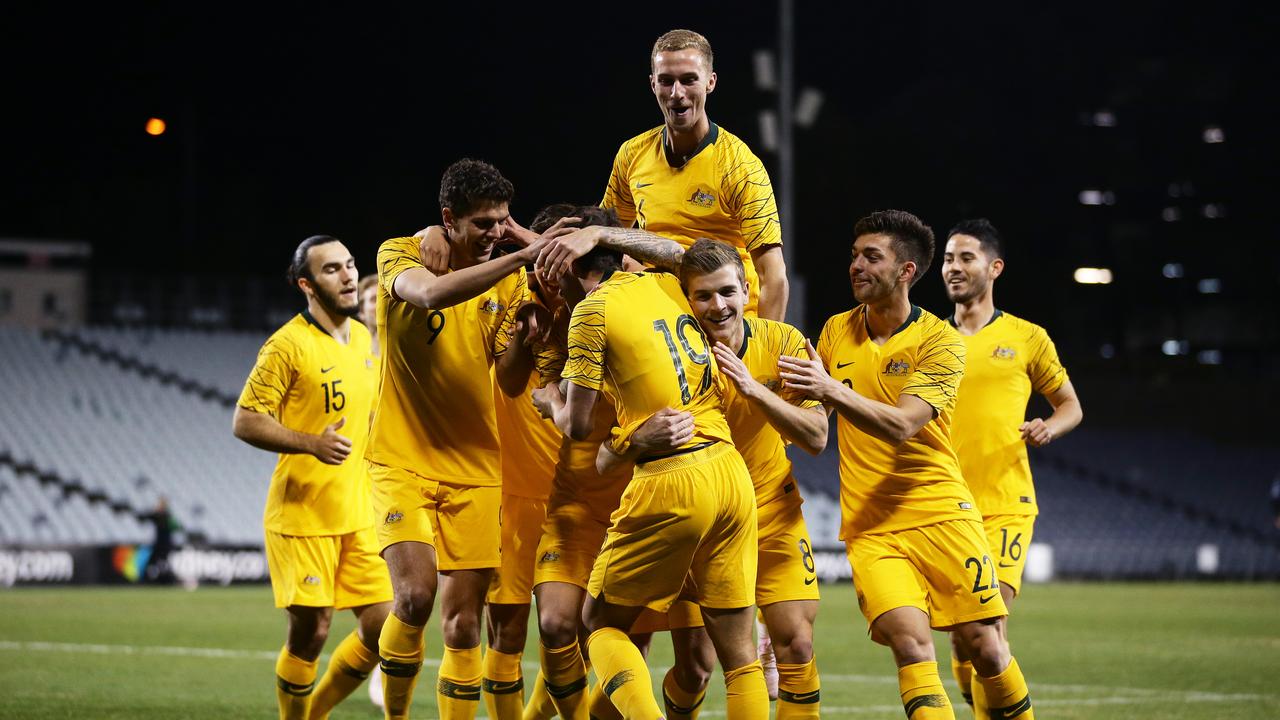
<point>566,676</point>
<point>1007,695</point>
<point>295,678</point>
<point>980,706</point>
<point>798,695</point>
<point>539,706</point>
<point>350,665</point>
<point>962,671</point>
<point>602,708</point>
<point>745,694</point>
<point>503,686</point>
<point>400,646</point>
<point>922,695</point>
<point>624,673</point>
<point>680,703</point>
<point>458,689</point>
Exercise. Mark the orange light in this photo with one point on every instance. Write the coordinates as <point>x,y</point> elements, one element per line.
<point>155,126</point>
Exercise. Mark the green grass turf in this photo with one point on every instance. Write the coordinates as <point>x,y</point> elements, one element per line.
<point>1093,651</point>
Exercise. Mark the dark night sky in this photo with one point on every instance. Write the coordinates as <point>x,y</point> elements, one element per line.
<point>289,121</point>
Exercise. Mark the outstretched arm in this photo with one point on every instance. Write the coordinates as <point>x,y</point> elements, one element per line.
<point>419,286</point>
<point>558,255</point>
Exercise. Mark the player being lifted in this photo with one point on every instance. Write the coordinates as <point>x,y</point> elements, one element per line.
<point>308,398</point>
<point>687,513</point>
<point>915,540</point>
<point>690,178</point>
<point>433,450</point>
<point>760,413</point>
<point>1006,359</point>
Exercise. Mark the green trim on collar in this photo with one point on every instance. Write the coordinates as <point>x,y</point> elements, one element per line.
<point>678,162</point>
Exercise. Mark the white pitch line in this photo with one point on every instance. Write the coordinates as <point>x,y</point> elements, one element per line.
<point>1137,695</point>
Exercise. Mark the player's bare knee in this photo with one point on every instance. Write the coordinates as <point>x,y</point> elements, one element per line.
<point>796,650</point>
<point>308,631</point>
<point>510,636</point>
<point>908,648</point>
<point>460,629</point>
<point>413,603</point>
<point>556,627</point>
<point>692,676</point>
<point>982,644</point>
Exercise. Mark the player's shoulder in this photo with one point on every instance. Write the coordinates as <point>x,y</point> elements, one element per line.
<point>776,335</point>
<point>934,329</point>
<point>643,141</point>
<point>293,331</point>
<point>842,323</point>
<point>360,335</point>
<point>1022,328</point>
<point>733,152</point>
<point>399,245</point>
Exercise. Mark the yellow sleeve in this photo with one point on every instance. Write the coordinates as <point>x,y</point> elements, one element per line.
<point>1044,368</point>
<point>549,360</point>
<point>617,194</point>
<point>272,376</point>
<point>939,369</point>
<point>519,296</point>
<point>790,341</point>
<point>825,341</point>
<point>394,257</point>
<point>585,365</point>
<point>749,198</point>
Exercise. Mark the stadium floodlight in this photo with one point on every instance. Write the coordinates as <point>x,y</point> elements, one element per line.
<point>766,77</point>
<point>1107,351</point>
<point>1213,211</point>
<point>807,107</point>
<point>1209,286</point>
<point>1092,196</point>
<point>1172,271</point>
<point>1171,214</point>
<point>1104,118</point>
<point>769,130</point>
<point>155,126</point>
<point>1093,276</point>
<point>1213,135</point>
<point>1209,357</point>
<point>1175,347</point>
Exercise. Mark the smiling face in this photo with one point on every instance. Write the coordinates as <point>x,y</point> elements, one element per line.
<point>875,271</point>
<point>717,299</point>
<point>966,269</point>
<point>472,237</point>
<point>681,81</point>
<point>332,279</point>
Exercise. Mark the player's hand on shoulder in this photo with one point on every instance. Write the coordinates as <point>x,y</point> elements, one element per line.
<point>1036,433</point>
<point>807,375</point>
<point>563,248</point>
<point>331,448</point>
<point>733,368</point>
<point>533,323</point>
<point>433,248</point>
<point>665,431</point>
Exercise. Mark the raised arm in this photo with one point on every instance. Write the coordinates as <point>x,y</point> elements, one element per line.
<point>419,286</point>
<point>559,253</point>
<point>771,267</point>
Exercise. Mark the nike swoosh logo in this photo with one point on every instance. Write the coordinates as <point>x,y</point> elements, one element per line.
<point>810,581</point>
<point>845,364</point>
<point>642,185</point>
<point>989,598</point>
<point>1008,565</point>
<point>325,370</point>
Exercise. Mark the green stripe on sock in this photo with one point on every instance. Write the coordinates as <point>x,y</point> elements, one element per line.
<point>924,701</point>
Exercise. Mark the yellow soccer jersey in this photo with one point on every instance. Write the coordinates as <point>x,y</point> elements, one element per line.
<point>435,414</point>
<point>306,380</point>
<point>762,447</point>
<point>531,445</point>
<point>1007,359</point>
<point>885,488</point>
<point>722,192</point>
<point>635,339</point>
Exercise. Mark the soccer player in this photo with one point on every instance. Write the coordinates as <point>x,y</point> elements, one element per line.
<point>308,398</point>
<point>1006,359</point>
<point>690,178</point>
<point>433,450</point>
<point>687,512</point>
<point>915,541</point>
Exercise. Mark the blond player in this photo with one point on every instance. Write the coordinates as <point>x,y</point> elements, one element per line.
<point>308,398</point>
<point>915,541</point>
<point>688,512</point>
<point>433,450</point>
<point>1007,359</point>
<point>689,178</point>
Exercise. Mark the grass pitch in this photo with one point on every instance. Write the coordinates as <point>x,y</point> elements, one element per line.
<point>1096,651</point>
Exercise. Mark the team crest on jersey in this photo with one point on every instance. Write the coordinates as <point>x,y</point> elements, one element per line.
<point>492,307</point>
<point>311,580</point>
<point>1004,353</point>
<point>549,557</point>
<point>897,367</point>
<point>702,197</point>
<point>394,516</point>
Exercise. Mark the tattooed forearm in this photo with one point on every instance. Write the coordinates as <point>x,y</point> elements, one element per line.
<point>646,247</point>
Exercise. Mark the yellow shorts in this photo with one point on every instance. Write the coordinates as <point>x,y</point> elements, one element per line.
<point>687,517</point>
<point>521,531</point>
<point>682,614</point>
<point>945,569</point>
<point>1009,537</point>
<point>571,540</point>
<point>461,522</point>
<point>337,571</point>
<point>787,570</point>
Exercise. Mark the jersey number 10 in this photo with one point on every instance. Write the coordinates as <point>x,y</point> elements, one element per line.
<point>697,358</point>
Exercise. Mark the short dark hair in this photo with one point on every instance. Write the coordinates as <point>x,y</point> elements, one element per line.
<point>300,266</point>
<point>550,215</point>
<point>706,256</point>
<point>467,184</point>
<point>676,40</point>
<point>986,234</point>
<point>912,239</point>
